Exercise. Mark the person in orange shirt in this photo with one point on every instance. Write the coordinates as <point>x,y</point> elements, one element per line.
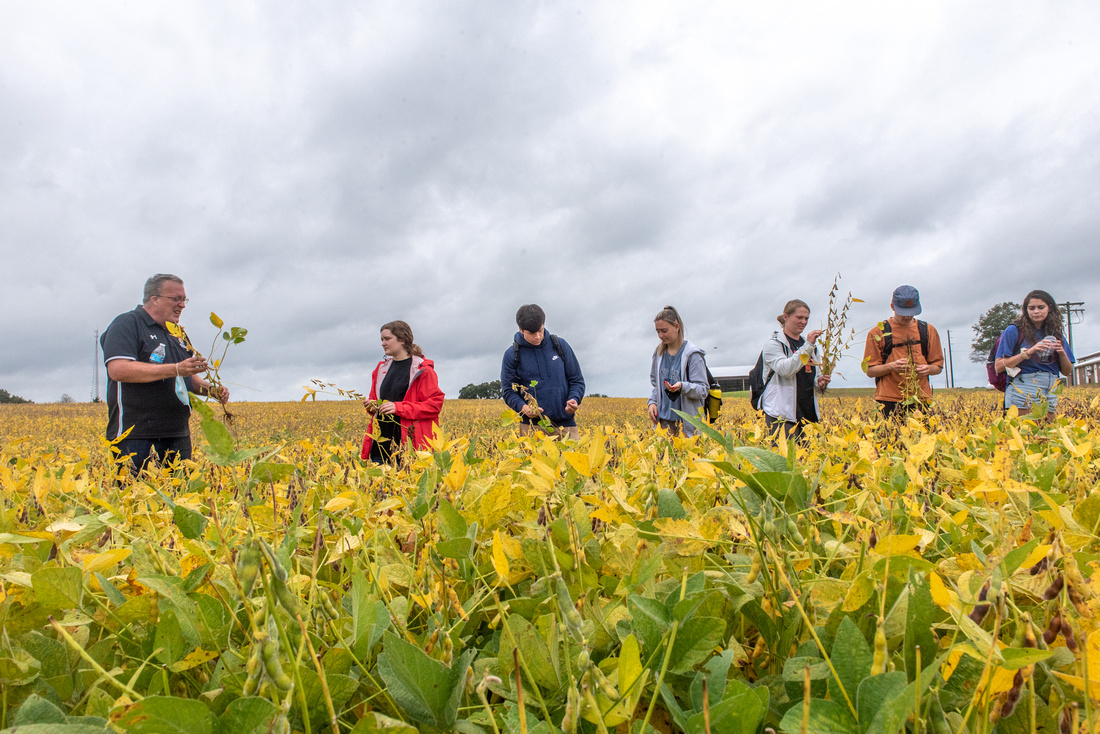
<point>901,353</point>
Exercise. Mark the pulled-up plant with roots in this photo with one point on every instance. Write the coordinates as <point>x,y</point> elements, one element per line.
<point>837,337</point>
<point>235,335</point>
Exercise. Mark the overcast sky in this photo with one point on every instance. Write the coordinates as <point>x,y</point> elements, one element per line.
<point>313,170</point>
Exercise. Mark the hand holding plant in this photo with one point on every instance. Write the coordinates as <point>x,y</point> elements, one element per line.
<point>212,375</point>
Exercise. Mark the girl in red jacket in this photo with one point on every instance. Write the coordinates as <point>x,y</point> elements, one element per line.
<point>406,383</point>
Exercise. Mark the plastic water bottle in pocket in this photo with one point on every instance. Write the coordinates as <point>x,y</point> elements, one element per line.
<point>157,355</point>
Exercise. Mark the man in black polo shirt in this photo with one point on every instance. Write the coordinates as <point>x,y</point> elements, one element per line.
<point>149,373</point>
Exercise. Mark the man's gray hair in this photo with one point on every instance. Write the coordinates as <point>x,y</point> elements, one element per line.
<point>152,286</point>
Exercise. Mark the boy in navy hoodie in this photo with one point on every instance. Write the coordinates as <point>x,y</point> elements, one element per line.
<point>548,361</point>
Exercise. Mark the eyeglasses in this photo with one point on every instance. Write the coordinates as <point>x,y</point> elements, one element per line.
<point>175,299</point>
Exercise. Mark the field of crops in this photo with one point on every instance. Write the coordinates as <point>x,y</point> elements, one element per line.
<point>927,576</point>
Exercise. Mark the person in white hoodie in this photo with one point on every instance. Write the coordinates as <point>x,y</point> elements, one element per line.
<point>790,373</point>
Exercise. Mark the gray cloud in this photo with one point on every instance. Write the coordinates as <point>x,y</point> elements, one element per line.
<point>315,172</point>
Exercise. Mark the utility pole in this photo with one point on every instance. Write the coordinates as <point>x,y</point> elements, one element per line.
<point>1068,308</point>
<point>95,367</point>
<point>950,362</point>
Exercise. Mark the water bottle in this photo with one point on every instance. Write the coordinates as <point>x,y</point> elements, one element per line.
<point>157,355</point>
<point>1046,353</point>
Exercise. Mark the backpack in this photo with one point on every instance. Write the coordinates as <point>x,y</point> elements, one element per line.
<point>553,340</point>
<point>757,383</point>
<point>887,343</point>
<point>999,380</point>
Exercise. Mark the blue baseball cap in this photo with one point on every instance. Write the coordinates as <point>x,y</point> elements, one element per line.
<point>906,301</point>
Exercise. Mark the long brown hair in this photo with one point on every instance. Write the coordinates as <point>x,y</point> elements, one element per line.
<point>404,334</point>
<point>669,315</point>
<point>1051,326</point>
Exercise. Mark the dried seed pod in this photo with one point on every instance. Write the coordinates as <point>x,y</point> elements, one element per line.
<point>1040,566</point>
<point>873,540</point>
<point>1054,589</point>
<point>1051,632</point>
<point>979,612</point>
<point>1071,640</point>
<point>1067,720</point>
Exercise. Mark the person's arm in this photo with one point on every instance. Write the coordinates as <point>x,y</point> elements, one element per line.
<point>429,407</point>
<point>573,376</point>
<point>1065,359</point>
<point>508,376</point>
<point>777,361</point>
<point>130,370</point>
<point>1007,354</point>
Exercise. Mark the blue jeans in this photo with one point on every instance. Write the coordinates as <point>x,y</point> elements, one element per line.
<point>147,450</point>
<point>1028,389</point>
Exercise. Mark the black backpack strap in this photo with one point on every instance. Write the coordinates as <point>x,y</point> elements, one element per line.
<point>922,329</point>
<point>553,340</point>
<point>887,343</point>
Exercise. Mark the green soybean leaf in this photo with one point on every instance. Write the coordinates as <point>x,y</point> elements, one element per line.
<point>57,588</point>
<point>190,523</point>
<point>165,715</point>
<point>825,717</point>
<point>428,691</point>
<point>252,715</point>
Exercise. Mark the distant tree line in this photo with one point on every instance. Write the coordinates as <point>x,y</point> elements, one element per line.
<point>484,391</point>
<point>7,397</point>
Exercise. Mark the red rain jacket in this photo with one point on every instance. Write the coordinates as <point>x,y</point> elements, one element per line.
<point>419,411</point>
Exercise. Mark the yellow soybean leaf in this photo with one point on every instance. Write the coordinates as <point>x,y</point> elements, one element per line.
<point>894,545</point>
<point>580,462</point>
<point>1036,555</point>
<point>941,595</point>
<point>456,477</point>
<point>100,562</point>
<point>1092,651</point>
<point>340,502</point>
<point>217,322</point>
<point>922,450</point>
<point>861,591</point>
<point>193,660</point>
<point>500,560</point>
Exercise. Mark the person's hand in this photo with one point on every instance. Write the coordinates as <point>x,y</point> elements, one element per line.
<point>387,408</point>
<point>813,335</point>
<point>191,366</point>
<point>530,412</point>
<point>571,406</point>
<point>924,369</point>
<point>1057,347</point>
<point>653,413</point>
<point>823,380</point>
<point>223,395</point>
<point>898,365</point>
<point>674,388</point>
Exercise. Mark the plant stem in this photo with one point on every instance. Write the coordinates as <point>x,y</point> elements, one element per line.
<point>91,661</point>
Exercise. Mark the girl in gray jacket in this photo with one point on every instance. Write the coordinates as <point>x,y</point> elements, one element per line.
<point>790,397</point>
<point>678,375</point>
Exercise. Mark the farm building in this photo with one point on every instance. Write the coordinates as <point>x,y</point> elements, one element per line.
<point>732,378</point>
<point>1087,370</point>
